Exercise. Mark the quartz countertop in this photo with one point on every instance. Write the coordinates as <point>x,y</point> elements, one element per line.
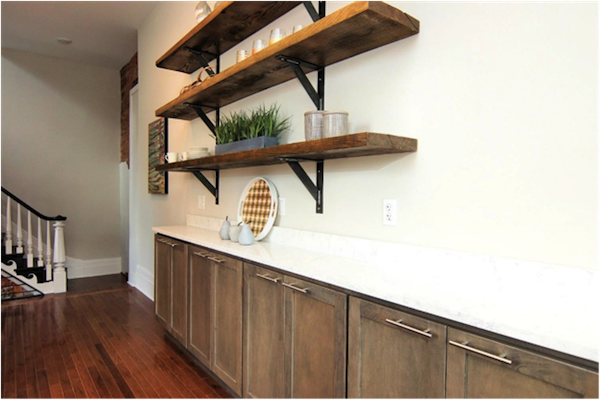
<point>547,305</point>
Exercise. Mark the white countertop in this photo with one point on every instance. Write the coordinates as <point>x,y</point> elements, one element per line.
<point>547,305</point>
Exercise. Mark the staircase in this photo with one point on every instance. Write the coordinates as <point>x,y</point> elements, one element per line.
<point>27,254</point>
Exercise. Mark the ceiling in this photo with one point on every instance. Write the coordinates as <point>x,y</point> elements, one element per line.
<point>104,33</point>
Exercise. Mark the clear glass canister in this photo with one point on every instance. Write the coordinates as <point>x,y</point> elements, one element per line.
<point>313,125</point>
<point>335,123</point>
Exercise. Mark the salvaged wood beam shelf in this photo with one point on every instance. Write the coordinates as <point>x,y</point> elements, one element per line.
<point>355,145</point>
<point>225,27</point>
<point>347,32</point>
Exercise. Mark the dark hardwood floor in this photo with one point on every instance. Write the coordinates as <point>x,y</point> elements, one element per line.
<point>99,340</point>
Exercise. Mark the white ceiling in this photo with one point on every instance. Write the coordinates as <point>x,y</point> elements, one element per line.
<point>104,33</point>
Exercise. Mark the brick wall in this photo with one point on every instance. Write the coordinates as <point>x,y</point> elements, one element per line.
<point>129,78</point>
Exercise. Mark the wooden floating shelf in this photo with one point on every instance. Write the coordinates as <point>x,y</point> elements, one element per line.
<point>352,30</point>
<point>355,145</point>
<point>225,27</point>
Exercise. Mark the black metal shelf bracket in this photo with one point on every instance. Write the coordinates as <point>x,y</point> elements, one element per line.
<point>199,54</point>
<point>316,191</point>
<point>317,96</point>
<point>213,189</point>
<point>199,110</point>
<point>312,12</point>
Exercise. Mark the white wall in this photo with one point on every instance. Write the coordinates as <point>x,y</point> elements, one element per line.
<point>161,30</point>
<point>60,147</point>
<point>503,98</point>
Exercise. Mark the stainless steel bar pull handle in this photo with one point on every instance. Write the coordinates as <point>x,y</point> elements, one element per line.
<point>216,260</point>
<point>465,346</point>
<point>291,286</point>
<point>410,328</point>
<point>203,255</point>
<point>268,278</point>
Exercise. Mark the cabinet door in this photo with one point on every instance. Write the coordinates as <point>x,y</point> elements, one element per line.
<point>315,340</point>
<point>483,368</point>
<point>162,281</point>
<point>263,333</point>
<point>201,334</point>
<point>392,354</point>
<point>179,291</point>
<point>227,356</point>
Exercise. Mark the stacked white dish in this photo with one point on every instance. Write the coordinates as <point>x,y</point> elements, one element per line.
<point>198,152</point>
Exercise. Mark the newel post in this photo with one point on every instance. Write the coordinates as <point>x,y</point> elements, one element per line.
<point>60,259</point>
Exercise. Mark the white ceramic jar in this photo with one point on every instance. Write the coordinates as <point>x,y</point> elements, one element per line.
<point>335,123</point>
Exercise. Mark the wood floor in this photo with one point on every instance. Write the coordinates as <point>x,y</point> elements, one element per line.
<point>99,340</point>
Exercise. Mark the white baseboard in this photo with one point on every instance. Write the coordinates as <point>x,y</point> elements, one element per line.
<point>143,280</point>
<point>88,268</point>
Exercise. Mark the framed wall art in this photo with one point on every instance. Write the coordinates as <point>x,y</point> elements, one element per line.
<point>158,182</point>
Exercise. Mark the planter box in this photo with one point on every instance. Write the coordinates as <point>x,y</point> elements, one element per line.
<point>246,144</point>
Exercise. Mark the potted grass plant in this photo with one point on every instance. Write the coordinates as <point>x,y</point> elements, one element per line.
<point>242,131</point>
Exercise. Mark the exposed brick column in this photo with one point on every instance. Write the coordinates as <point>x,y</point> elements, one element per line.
<point>129,78</point>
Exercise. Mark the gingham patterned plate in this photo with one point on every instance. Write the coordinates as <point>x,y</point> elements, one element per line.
<point>258,206</point>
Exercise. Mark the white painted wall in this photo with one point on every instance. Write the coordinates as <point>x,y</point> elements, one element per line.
<point>60,148</point>
<point>124,215</point>
<point>503,98</point>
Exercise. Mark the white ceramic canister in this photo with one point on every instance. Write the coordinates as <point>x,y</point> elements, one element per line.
<point>313,125</point>
<point>335,123</point>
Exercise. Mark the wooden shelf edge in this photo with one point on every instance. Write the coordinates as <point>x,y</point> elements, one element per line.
<point>347,146</point>
<point>248,77</point>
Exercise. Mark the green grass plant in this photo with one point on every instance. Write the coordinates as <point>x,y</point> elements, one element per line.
<point>260,122</point>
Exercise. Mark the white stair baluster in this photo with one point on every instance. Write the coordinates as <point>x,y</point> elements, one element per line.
<point>8,239</point>
<point>60,274</point>
<point>29,242</point>
<point>48,253</point>
<point>19,231</point>
<point>40,240</point>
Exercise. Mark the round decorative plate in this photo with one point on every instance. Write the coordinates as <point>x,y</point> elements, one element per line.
<point>258,206</point>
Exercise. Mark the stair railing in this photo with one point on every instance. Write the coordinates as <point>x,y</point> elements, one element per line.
<point>54,259</point>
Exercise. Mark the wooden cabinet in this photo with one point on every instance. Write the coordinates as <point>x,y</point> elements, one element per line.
<point>484,368</point>
<point>315,340</point>
<point>269,335</point>
<point>171,283</point>
<point>227,356</point>
<point>201,333</point>
<point>162,281</point>
<point>392,354</point>
<point>295,337</point>
<point>216,314</point>
<point>263,333</point>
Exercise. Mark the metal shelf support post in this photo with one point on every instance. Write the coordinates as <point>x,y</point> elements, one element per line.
<point>316,191</point>
<point>198,109</point>
<point>317,96</point>
<point>213,189</point>
<point>312,12</point>
<point>199,54</point>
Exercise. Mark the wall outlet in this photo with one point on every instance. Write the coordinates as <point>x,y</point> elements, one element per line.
<point>390,211</point>
<point>282,206</point>
<point>201,201</point>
